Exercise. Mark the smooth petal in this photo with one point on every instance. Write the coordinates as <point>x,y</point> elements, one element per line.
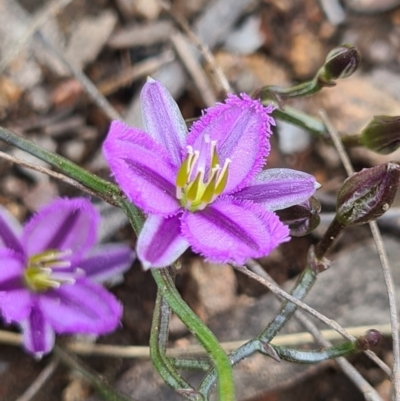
<point>107,261</point>
<point>279,188</point>
<point>11,266</point>
<point>15,300</point>
<point>163,120</point>
<point>160,242</point>
<point>233,231</point>
<point>10,231</point>
<point>241,127</point>
<point>38,335</point>
<point>83,307</point>
<point>142,168</point>
<point>65,224</point>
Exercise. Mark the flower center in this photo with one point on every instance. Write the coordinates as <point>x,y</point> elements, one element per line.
<point>47,270</point>
<point>200,178</point>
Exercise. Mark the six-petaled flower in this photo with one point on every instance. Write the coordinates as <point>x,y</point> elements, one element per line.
<point>206,188</point>
<point>50,270</point>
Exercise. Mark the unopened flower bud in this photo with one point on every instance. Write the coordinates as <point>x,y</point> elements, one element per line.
<point>368,194</point>
<point>369,340</point>
<point>302,218</point>
<point>340,62</point>
<point>382,134</point>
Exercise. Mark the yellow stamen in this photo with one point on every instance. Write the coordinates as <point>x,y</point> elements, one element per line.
<point>210,187</point>
<point>222,178</point>
<point>214,155</point>
<point>194,187</point>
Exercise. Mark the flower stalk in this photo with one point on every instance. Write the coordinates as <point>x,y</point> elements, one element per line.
<point>341,62</point>
<point>200,331</point>
<point>158,343</point>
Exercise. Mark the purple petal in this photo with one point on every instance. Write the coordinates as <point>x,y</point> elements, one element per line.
<point>142,168</point>
<point>38,335</point>
<point>65,224</point>
<point>10,231</point>
<point>83,307</point>
<point>233,231</point>
<point>241,127</point>
<point>11,265</point>
<point>279,188</point>
<point>15,299</point>
<point>107,261</point>
<point>163,120</point>
<point>160,242</point>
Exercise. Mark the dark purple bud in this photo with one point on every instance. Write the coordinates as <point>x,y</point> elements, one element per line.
<point>369,340</point>
<point>368,194</point>
<point>340,62</point>
<point>382,134</point>
<point>302,218</point>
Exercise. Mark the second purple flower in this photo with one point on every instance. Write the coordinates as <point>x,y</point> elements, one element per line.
<point>206,188</point>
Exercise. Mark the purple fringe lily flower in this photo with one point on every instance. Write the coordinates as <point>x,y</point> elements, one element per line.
<point>206,188</point>
<point>50,270</point>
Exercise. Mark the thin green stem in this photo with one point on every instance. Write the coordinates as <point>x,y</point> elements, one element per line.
<point>200,331</point>
<point>313,356</point>
<point>268,93</point>
<point>303,285</point>
<point>101,386</point>
<point>328,239</point>
<point>300,119</point>
<point>300,290</point>
<point>191,363</point>
<point>158,344</point>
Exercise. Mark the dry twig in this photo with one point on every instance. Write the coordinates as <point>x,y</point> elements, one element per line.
<point>41,18</point>
<point>40,381</point>
<point>368,391</point>
<point>58,176</point>
<point>221,80</point>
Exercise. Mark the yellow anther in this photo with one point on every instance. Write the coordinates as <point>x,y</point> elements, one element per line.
<point>209,190</point>
<point>183,172</point>
<point>222,178</point>
<point>195,186</point>
<point>39,274</point>
<point>214,155</point>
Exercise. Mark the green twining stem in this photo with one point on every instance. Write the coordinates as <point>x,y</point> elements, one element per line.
<point>162,277</point>
<point>300,90</point>
<point>200,331</point>
<point>300,119</point>
<point>301,288</point>
<point>303,285</point>
<point>315,356</point>
<point>191,363</point>
<point>158,344</point>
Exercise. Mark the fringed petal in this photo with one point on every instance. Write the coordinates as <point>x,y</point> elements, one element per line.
<point>233,231</point>
<point>142,168</point>
<point>163,120</point>
<point>160,242</point>
<point>279,188</point>
<point>241,127</point>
